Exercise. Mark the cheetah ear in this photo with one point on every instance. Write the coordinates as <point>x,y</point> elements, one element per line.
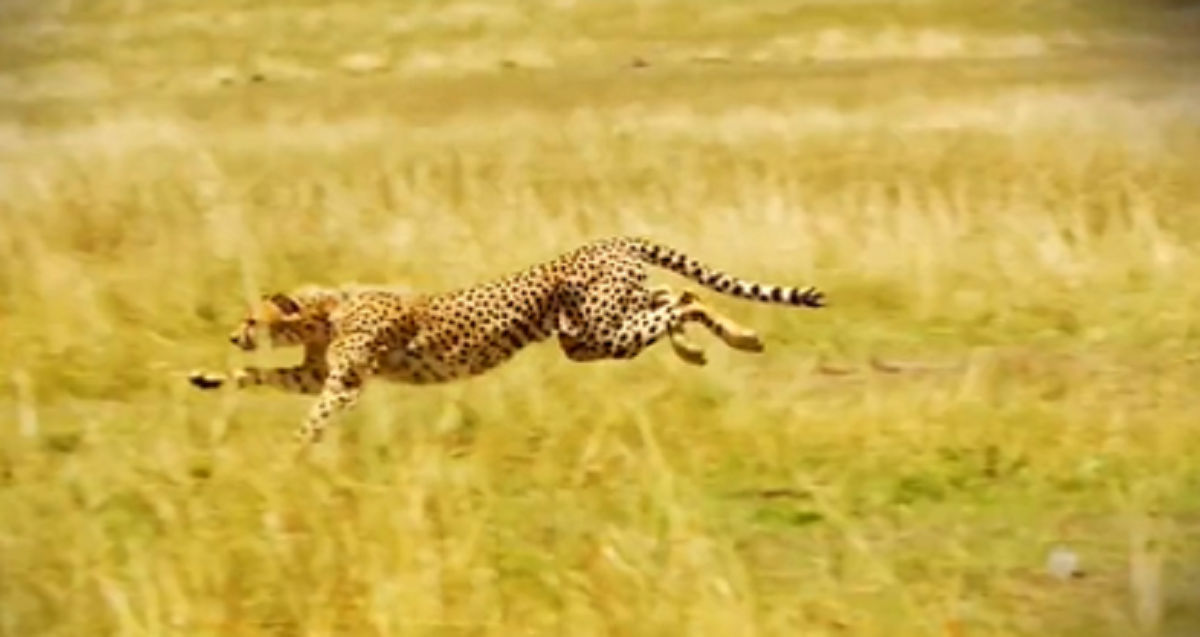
<point>285,303</point>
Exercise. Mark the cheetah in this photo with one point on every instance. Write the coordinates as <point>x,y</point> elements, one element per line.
<point>593,299</point>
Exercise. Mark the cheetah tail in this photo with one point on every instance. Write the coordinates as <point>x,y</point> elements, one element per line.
<point>680,263</point>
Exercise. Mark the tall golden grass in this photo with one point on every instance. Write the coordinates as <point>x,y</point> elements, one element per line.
<point>1003,212</point>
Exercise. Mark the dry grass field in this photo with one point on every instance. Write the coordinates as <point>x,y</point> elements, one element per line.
<point>1002,205</point>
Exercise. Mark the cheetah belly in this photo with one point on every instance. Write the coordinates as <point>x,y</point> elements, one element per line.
<point>418,367</point>
<point>425,365</point>
<point>444,358</point>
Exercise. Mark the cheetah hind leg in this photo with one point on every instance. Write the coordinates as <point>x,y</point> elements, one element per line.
<point>664,295</point>
<point>734,334</point>
<point>572,341</point>
<point>685,349</point>
<point>643,328</point>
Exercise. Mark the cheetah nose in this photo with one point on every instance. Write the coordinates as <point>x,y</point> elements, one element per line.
<point>234,339</point>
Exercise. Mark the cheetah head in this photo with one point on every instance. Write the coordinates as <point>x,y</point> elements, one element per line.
<point>278,317</point>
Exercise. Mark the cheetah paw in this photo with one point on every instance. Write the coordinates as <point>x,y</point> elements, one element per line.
<point>205,380</point>
<point>691,356</point>
<point>745,341</point>
<point>687,351</point>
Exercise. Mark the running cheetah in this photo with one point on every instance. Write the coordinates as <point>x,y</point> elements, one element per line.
<point>594,300</point>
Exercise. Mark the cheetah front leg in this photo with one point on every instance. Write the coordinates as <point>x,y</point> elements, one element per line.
<point>307,378</point>
<point>351,359</point>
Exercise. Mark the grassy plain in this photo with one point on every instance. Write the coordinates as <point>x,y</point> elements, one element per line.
<point>1001,200</point>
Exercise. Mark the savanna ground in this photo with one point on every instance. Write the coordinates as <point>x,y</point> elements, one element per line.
<point>1001,202</point>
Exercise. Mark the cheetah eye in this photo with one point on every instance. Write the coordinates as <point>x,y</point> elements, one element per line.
<point>251,322</point>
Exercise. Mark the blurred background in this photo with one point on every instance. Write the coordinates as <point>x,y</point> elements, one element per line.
<point>990,431</point>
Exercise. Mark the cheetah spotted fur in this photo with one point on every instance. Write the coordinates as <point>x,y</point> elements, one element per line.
<point>594,299</point>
